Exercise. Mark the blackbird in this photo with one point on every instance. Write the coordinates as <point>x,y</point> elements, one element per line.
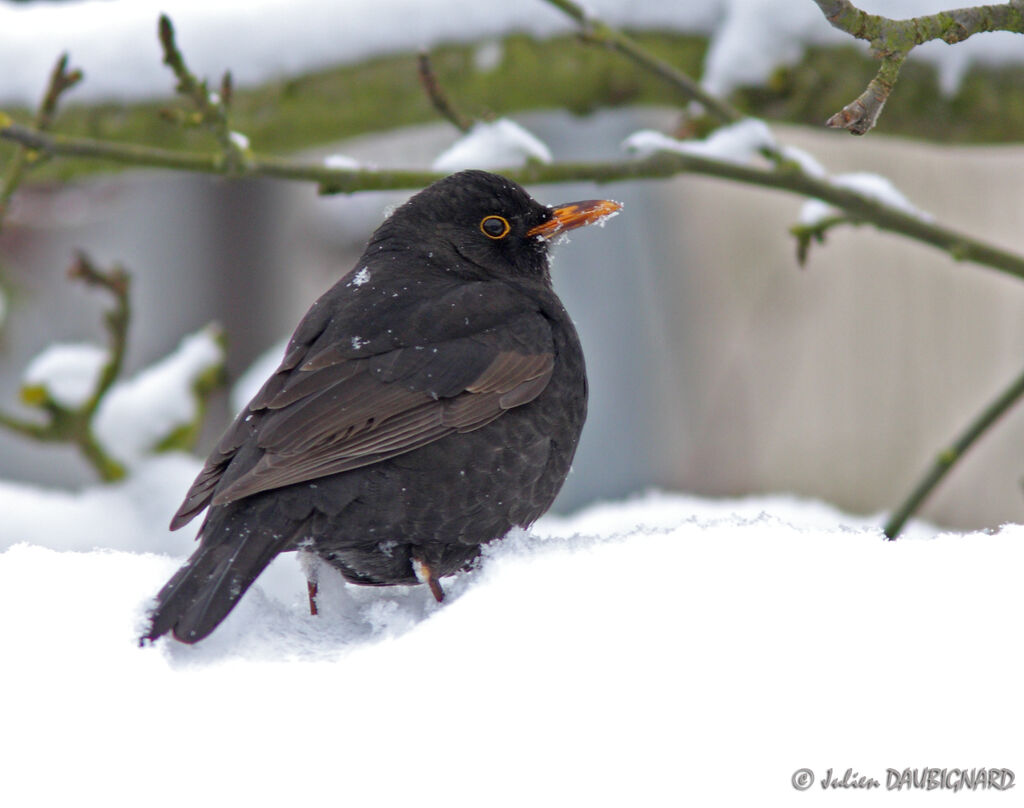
<point>427,403</point>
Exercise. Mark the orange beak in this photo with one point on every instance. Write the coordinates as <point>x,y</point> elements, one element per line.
<point>575,214</point>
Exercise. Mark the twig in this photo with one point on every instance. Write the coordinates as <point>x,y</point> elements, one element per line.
<point>948,458</point>
<point>74,425</point>
<point>807,233</point>
<point>118,283</point>
<point>594,30</point>
<point>211,108</point>
<point>61,80</point>
<point>892,40</point>
<point>438,97</point>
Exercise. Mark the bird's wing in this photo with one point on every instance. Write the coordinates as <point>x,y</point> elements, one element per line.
<point>326,411</point>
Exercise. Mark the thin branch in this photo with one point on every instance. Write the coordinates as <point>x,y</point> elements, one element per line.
<point>596,31</point>
<point>948,458</point>
<point>117,283</point>
<point>211,108</point>
<point>74,424</point>
<point>438,97</point>
<point>892,40</point>
<point>61,80</point>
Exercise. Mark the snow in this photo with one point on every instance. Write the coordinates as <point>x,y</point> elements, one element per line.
<point>130,515</point>
<point>68,372</point>
<point>488,56</point>
<point>643,652</point>
<point>874,186</point>
<point>634,653</point>
<point>361,277</point>
<point>808,162</point>
<point>239,140</point>
<point>138,413</point>
<point>496,144</point>
<point>342,161</point>
<point>740,142</point>
<point>114,41</point>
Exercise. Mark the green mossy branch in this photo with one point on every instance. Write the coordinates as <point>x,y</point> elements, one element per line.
<point>892,40</point>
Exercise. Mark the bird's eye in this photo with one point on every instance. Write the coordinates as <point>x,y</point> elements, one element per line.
<point>495,226</point>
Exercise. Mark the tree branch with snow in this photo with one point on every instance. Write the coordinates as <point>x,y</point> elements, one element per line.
<point>893,40</point>
<point>528,161</point>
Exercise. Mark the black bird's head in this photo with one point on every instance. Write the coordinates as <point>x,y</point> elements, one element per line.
<point>489,222</point>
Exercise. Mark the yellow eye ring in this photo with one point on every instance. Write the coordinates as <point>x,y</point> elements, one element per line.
<point>495,227</point>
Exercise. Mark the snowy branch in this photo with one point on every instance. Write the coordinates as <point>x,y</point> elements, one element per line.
<point>788,176</point>
<point>892,40</point>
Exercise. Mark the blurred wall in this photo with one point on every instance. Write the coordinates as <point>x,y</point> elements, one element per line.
<point>717,365</point>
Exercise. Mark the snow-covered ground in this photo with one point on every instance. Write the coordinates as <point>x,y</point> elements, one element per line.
<point>665,650</point>
<point>115,40</point>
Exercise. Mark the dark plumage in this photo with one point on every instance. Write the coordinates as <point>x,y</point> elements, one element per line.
<point>427,403</point>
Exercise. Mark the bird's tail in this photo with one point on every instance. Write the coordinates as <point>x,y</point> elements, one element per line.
<point>207,587</point>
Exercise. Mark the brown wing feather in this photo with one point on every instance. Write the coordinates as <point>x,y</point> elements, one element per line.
<point>326,410</point>
<point>370,421</point>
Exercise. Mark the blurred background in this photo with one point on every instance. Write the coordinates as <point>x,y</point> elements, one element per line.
<point>718,365</point>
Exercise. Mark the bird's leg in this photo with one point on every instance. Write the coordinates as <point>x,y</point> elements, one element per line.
<point>311,588</point>
<point>309,563</point>
<point>425,575</point>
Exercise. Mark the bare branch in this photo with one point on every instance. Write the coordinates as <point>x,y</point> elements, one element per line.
<point>892,40</point>
<point>949,457</point>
